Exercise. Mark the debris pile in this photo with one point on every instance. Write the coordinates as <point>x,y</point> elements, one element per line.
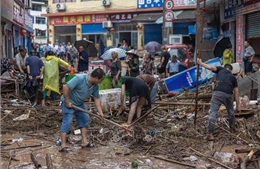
<point>165,132</point>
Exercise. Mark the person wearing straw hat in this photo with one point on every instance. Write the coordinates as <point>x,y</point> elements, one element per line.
<point>133,63</point>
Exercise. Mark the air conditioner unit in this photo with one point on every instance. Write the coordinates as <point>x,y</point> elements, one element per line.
<point>48,9</point>
<point>106,2</point>
<point>107,24</point>
<point>175,39</point>
<point>60,6</point>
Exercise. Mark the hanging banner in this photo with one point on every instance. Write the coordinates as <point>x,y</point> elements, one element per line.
<point>239,39</point>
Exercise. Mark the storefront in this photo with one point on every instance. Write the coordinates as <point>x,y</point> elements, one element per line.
<point>94,32</point>
<point>6,27</point>
<point>18,27</point>
<point>153,22</point>
<point>124,29</point>
<point>252,26</point>
<point>65,34</point>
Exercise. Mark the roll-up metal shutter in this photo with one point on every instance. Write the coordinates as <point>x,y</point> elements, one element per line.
<point>253,24</point>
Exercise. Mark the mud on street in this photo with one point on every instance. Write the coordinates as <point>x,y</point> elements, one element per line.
<point>164,137</point>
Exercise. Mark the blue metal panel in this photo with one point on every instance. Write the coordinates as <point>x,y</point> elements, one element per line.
<point>93,28</point>
<point>153,32</point>
<point>182,28</point>
<point>16,39</point>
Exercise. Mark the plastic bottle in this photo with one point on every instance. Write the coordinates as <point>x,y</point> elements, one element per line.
<point>58,141</point>
<point>72,70</point>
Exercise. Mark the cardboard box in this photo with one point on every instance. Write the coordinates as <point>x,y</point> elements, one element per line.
<point>110,99</point>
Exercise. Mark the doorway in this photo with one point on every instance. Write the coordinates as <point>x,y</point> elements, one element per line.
<point>125,36</point>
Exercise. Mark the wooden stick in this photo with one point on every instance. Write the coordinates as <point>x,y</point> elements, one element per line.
<point>35,162</point>
<point>211,159</point>
<point>247,150</point>
<point>95,115</point>
<point>148,150</point>
<point>199,11</point>
<point>181,103</point>
<point>9,161</point>
<point>235,136</point>
<point>173,161</point>
<point>148,112</point>
<point>36,145</point>
<point>49,162</point>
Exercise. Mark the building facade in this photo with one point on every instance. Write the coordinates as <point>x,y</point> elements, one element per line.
<point>16,26</point>
<point>109,20</point>
<point>241,21</point>
<point>72,20</point>
<point>40,23</point>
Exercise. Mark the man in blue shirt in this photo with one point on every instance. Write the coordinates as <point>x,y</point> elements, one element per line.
<point>35,68</point>
<point>83,60</point>
<point>172,66</point>
<point>79,88</point>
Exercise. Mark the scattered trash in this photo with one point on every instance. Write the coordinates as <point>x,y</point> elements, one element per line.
<point>135,164</point>
<point>77,131</point>
<point>23,116</point>
<point>101,131</point>
<point>58,141</point>
<point>17,140</point>
<point>225,157</point>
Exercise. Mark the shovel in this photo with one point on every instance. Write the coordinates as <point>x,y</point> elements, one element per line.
<point>109,121</point>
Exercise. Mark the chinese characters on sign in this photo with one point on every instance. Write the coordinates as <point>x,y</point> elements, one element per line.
<point>159,3</point>
<point>18,14</point>
<point>117,18</point>
<point>239,37</point>
<point>230,8</point>
<point>63,20</point>
<point>28,21</point>
<point>86,19</point>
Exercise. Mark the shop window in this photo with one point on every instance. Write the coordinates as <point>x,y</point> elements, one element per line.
<point>40,20</point>
<point>36,7</point>
<point>134,39</point>
<point>62,1</point>
<point>40,33</point>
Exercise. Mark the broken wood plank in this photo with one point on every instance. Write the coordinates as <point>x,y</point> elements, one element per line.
<point>248,158</point>
<point>49,162</point>
<point>35,162</point>
<point>247,150</point>
<point>176,162</point>
<point>181,103</point>
<point>36,145</point>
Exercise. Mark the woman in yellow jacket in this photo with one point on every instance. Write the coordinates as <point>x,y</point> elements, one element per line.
<point>227,55</point>
<point>51,76</point>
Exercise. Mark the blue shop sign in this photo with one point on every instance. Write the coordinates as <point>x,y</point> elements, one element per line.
<point>149,3</point>
<point>231,7</point>
<point>28,21</point>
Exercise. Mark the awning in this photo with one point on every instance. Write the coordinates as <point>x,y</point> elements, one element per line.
<point>181,16</point>
<point>147,17</point>
<point>95,28</point>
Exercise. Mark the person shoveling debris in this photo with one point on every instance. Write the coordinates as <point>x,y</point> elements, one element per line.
<point>225,86</point>
<point>75,92</point>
